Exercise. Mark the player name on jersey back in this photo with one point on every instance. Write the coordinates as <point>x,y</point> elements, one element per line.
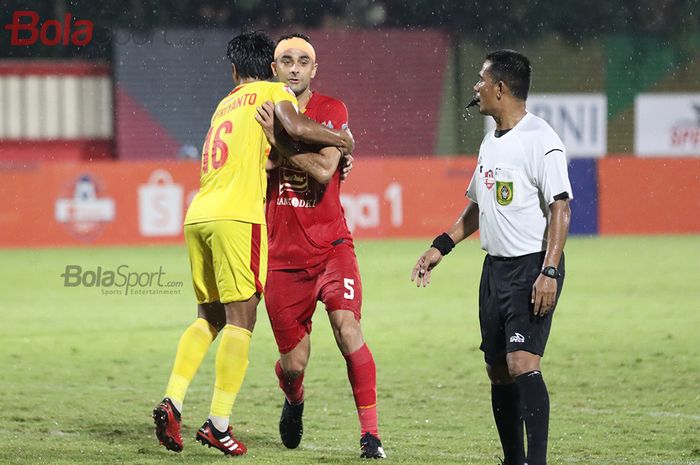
<point>233,102</point>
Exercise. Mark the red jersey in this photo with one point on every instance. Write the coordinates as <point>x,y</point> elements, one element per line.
<point>304,217</point>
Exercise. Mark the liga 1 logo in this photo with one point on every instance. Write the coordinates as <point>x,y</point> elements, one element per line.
<point>83,211</point>
<point>26,30</point>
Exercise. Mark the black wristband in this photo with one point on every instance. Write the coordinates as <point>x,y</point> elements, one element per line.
<point>443,243</point>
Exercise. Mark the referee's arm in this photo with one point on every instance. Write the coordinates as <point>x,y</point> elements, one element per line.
<point>558,231</point>
<point>465,226</point>
<point>544,291</point>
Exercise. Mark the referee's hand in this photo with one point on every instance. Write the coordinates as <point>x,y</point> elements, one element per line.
<point>424,265</point>
<point>544,295</point>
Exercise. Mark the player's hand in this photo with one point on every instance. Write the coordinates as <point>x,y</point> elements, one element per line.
<point>266,118</point>
<point>544,295</point>
<point>348,142</point>
<point>347,166</point>
<point>425,264</point>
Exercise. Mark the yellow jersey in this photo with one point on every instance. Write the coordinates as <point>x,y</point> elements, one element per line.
<point>233,182</point>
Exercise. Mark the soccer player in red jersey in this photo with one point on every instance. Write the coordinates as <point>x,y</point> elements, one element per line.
<point>312,256</point>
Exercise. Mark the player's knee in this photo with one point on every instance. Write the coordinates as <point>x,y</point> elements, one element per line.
<point>293,368</point>
<point>217,326</point>
<point>349,336</point>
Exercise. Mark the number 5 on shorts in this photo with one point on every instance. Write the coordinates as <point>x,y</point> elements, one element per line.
<point>349,283</point>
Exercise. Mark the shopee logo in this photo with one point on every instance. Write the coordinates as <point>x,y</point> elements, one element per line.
<point>26,30</point>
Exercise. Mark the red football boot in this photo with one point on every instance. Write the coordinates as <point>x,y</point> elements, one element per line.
<point>167,420</point>
<point>208,435</point>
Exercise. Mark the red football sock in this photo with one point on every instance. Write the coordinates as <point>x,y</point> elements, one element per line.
<point>362,373</point>
<point>293,387</point>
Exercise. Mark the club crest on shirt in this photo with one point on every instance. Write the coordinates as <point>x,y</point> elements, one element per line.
<point>294,188</point>
<point>292,180</point>
<point>504,192</point>
<point>488,179</point>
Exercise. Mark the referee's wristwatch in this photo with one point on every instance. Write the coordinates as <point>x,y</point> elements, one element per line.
<point>550,272</point>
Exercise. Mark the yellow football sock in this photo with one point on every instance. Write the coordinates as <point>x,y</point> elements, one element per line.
<point>191,349</point>
<point>231,365</point>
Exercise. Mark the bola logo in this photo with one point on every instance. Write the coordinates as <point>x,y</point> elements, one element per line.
<point>26,30</point>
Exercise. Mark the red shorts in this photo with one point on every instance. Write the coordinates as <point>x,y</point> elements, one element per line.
<point>291,295</point>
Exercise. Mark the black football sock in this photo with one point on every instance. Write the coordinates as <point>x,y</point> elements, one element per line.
<point>506,412</point>
<point>534,401</point>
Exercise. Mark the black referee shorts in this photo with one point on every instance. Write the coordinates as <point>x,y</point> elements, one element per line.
<point>505,312</point>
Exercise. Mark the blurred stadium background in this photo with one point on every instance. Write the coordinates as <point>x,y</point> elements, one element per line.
<point>99,148</point>
<point>129,108</point>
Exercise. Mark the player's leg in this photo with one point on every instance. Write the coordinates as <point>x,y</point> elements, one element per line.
<point>526,339</point>
<point>290,370</point>
<point>193,343</point>
<point>362,371</point>
<point>231,365</point>
<point>240,263</point>
<point>232,358</point>
<point>191,349</point>
<point>341,291</point>
<point>290,300</point>
<point>346,331</point>
<point>505,402</point>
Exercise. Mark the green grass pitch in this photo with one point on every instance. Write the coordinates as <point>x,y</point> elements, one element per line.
<point>81,371</point>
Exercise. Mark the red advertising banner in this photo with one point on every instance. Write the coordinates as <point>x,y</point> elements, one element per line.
<point>649,196</point>
<point>111,203</point>
<point>114,203</point>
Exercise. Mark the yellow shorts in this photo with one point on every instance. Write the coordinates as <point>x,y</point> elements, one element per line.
<point>228,260</point>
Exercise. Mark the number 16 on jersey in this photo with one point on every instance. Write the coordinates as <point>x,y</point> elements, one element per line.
<point>219,149</point>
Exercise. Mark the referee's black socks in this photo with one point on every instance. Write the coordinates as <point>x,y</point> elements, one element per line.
<point>534,402</point>
<point>506,411</point>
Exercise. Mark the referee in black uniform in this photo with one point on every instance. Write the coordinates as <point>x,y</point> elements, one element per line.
<point>519,194</point>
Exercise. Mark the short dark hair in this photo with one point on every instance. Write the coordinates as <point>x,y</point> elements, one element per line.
<point>296,34</point>
<point>251,53</point>
<point>513,68</point>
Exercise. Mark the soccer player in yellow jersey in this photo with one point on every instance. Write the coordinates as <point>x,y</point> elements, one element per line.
<point>226,238</point>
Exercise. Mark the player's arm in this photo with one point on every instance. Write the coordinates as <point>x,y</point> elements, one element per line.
<point>320,165</point>
<point>467,223</point>
<point>303,129</point>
